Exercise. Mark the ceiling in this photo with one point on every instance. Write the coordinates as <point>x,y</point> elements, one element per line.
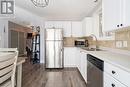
<point>61,9</point>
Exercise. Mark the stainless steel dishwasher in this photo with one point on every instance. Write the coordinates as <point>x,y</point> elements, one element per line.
<point>95,69</point>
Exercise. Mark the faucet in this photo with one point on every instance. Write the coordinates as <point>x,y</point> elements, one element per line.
<point>92,35</point>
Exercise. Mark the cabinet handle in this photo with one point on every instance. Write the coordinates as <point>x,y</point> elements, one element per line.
<point>118,26</point>
<point>113,72</point>
<point>121,25</point>
<point>113,85</point>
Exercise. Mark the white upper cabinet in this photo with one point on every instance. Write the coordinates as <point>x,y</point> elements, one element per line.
<point>58,24</point>
<point>49,24</point>
<point>115,14</point>
<point>67,28</point>
<point>126,13</point>
<point>87,25</point>
<point>111,14</point>
<point>77,29</point>
<point>65,25</point>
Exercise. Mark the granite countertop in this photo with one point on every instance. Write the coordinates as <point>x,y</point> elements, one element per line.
<point>120,60</point>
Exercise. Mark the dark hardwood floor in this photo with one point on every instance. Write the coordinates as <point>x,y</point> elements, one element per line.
<point>35,75</point>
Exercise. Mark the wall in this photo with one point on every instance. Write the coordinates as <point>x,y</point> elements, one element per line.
<point>3,33</point>
<point>25,18</point>
<point>120,35</point>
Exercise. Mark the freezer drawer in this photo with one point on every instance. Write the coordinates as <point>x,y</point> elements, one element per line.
<point>58,54</point>
<point>54,54</point>
<point>50,54</point>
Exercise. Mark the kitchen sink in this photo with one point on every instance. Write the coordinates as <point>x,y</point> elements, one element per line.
<point>91,49</point>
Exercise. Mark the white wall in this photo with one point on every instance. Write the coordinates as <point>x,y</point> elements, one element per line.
<point>25,18</point>
<point>3,33</point>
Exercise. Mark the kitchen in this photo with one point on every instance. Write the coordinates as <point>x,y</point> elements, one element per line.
<point>82,43</point>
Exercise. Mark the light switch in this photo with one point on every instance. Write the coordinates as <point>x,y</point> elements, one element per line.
<point>118,44</point>
<point>125,44</point>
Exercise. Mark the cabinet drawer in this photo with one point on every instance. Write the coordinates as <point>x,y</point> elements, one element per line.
<point>118,73</point>
<point>109,81</point>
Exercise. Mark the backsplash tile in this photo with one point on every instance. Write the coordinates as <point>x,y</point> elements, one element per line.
<point>122,35</point>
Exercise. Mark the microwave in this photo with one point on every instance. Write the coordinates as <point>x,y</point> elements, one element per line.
<point>80,43</point>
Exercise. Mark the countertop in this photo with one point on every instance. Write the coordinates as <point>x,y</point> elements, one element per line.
<point>120,60</point>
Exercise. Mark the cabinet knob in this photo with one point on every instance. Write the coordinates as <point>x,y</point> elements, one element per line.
<point>113,72</point>
<point>118,26</point>
<point>113,85</point>
<point>121,24</point>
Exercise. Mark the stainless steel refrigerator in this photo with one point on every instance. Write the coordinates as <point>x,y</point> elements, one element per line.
<point>54,48</point>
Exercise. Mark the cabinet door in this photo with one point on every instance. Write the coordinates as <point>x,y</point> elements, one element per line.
<point>67,28</point>
<point>69,57</point>
<point>112,82</point>
<point>87,26</point>
<point>111,14</point>
<point>58,24</point>
<point>49,24</point>
<point>78,58</point>
<point>77,29</point>
<point>126,13</point>
<point>84,65</point>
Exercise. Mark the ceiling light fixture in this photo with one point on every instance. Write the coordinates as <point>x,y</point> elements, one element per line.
<point>40,3</point>
<point>95,0</point>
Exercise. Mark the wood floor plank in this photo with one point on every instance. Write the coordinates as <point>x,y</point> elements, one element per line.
<point>35,75</point>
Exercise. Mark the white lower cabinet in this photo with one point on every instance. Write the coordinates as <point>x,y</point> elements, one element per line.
<point>74,57</point>
<point>109,81</point>
<point>83,65</point>
<point>70,57</point>
<point>115,76</point>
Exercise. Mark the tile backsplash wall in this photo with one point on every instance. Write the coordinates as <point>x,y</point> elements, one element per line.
<point>121,37</point>
<point>70,41</point>
<point>124,38</point>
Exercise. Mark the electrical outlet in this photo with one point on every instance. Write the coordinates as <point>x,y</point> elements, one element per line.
<point>119,44</point>
<point>125,44</point>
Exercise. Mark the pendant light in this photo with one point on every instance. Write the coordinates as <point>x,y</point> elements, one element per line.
<point>40,3</point>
